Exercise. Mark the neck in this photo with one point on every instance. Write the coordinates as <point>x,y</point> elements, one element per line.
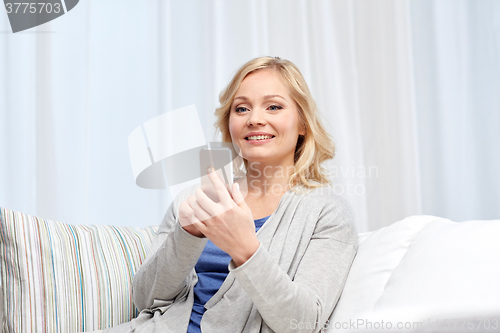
<point>267,179</point>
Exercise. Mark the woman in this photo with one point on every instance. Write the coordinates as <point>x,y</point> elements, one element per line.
<point>272,256</point>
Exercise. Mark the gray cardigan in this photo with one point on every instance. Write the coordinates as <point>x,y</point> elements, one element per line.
<point>291,283</point>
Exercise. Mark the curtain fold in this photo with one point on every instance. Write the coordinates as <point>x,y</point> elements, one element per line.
<point>407,88</point>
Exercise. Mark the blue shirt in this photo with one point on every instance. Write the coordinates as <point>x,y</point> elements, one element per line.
<point>212,271</point>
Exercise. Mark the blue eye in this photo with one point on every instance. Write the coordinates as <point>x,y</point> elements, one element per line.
<point>277,107</point>
<point>240,108</point>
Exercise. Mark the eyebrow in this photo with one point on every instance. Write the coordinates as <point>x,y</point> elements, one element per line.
<point>265,97</point>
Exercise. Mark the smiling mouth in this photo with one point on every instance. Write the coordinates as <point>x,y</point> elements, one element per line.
<point>259,137</point>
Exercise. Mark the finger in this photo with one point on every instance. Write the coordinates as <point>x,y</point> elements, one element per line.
<point>199,211</point>
<point>242,187</point>
<point>200,226</point>
<point>184,209</point>
<point>220,188</point>
<point>185,214</point>
<point>195,220</point>
<point>238,196</point>
<point>212,208</point>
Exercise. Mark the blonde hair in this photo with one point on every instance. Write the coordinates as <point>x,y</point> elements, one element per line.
<point>312,149</point>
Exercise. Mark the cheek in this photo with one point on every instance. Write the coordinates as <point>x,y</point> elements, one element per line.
<point>233,128</point>
<point>290,125</point>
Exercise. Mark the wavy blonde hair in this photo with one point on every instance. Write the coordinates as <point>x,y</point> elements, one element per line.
<point>312,149</point>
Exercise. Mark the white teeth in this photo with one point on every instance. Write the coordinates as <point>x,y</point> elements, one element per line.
<point>259,137</point>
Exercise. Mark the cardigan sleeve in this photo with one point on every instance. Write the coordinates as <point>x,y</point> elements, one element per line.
<point>306,301</point>
<point>171,257</point>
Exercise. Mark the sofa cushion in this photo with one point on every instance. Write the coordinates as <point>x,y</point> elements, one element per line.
<point>58,277</point>
<point>379,253</point>
<point>450,269</point>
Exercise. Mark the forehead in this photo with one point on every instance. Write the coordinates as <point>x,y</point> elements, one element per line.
<point>263,81</point>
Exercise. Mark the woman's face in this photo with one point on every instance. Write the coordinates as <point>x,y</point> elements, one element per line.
<point>263,104</point>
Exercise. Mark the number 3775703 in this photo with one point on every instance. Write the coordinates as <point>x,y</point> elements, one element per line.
<point>33,7</point>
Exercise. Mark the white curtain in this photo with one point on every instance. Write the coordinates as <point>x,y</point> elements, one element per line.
<point>408,89</point>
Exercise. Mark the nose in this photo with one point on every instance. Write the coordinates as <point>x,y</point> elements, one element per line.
<point>257,117</point>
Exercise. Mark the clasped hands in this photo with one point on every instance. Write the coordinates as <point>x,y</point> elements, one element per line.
<point>228,223</point>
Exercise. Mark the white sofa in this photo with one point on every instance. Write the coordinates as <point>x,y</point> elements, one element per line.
<point>424,273</point>
<point>423,269</point>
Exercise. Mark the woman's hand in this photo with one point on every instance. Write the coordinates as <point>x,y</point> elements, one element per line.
<point>228,224</point>
<point>186,216</point>
<point>186,213</point>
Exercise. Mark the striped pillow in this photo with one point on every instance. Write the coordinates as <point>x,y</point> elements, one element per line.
<point>58,277</point>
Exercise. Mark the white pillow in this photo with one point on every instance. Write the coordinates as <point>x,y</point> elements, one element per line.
<point>450,268</point>
<point>379,253</point>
